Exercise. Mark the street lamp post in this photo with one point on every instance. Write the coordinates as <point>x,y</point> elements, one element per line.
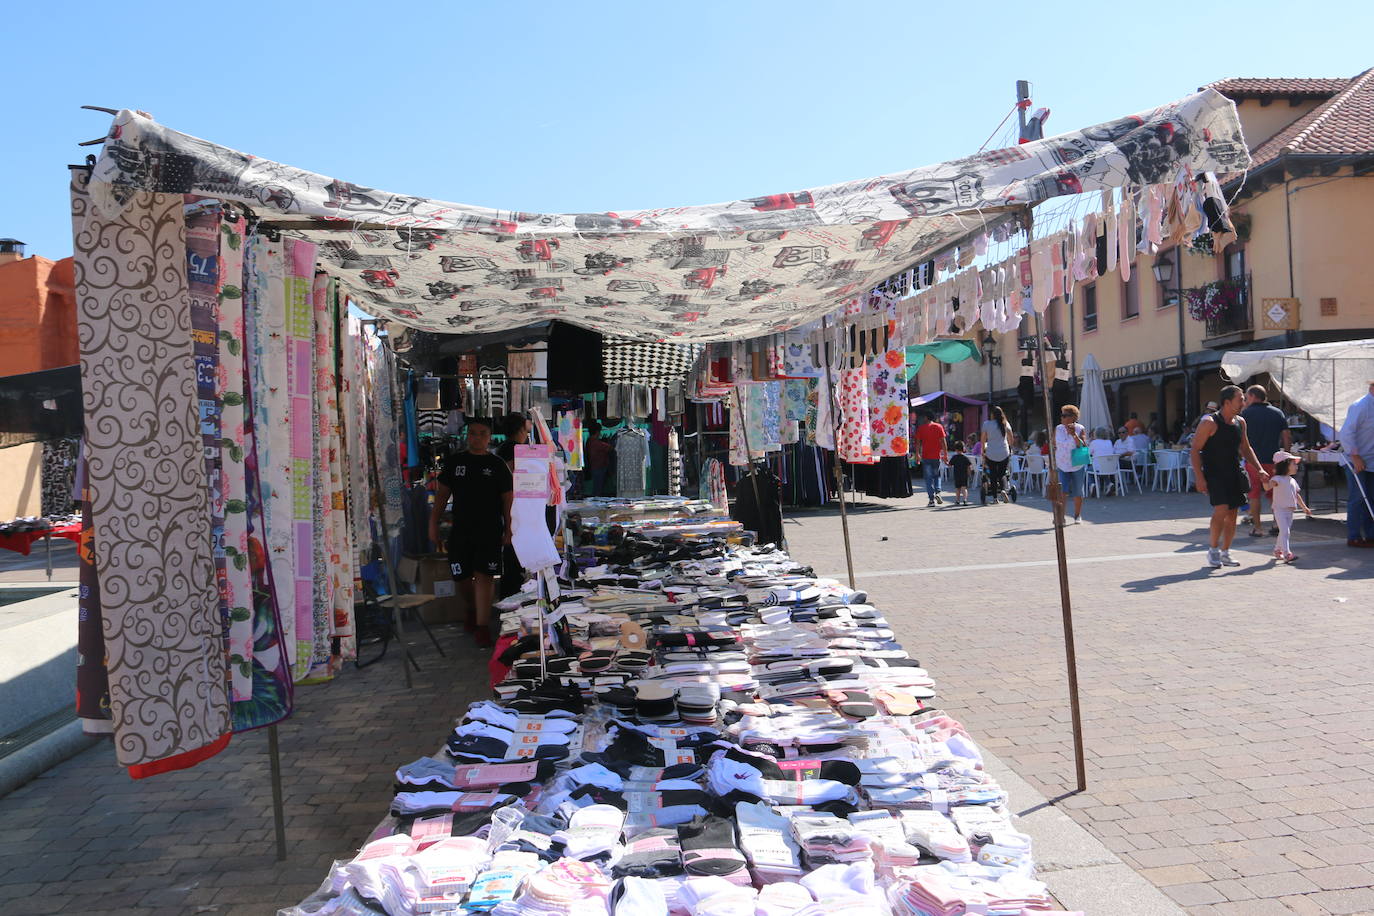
<point>989,348</point>
<point>1164,271</point>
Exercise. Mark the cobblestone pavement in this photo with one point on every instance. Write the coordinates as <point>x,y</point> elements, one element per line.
<point>86,839</point>
<point>1227,722</point>
<point>1228,727</point>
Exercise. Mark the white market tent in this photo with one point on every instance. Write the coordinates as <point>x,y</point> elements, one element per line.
<point>688,274</point>
<point>1322,379</point>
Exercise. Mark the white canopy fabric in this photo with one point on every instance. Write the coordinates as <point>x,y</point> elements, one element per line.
<point>1322,379</point>
<point>1093,412</point>
<point>702,273</point>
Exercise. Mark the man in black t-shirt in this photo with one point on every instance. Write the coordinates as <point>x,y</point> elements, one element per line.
<point>1267,429</point>
<point>481,487</point>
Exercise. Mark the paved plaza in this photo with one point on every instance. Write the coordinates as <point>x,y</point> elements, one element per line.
<point>1229,731</point>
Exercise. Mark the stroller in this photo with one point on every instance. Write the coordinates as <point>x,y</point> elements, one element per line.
<point>1004,492</point>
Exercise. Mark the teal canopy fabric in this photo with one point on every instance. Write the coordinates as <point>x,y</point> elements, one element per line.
<point>946,351</point>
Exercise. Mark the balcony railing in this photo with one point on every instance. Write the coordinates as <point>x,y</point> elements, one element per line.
<point>1223,305</point>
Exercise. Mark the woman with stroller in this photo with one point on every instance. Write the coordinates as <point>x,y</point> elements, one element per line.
<point>996,442</point>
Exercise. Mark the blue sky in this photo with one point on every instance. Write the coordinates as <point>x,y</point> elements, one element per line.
<point>594,106</point>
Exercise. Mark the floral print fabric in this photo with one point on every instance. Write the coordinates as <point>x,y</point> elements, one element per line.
<point>888,408</point>
<point>856,440</point>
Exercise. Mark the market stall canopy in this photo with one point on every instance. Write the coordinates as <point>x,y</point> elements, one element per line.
<point>946,351</point>
<point>1322,379</point>
<point>702,273</point>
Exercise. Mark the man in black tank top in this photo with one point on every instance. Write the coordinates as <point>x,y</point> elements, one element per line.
<point>1218,446</point>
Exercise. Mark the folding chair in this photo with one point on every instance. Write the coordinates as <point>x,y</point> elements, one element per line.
<point>407,571</point>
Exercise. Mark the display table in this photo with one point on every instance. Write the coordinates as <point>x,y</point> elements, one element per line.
<point>21,542</point>
<point>748,730</point>
<point>1324,458</point>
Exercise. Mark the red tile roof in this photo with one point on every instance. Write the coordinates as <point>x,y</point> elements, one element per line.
<point>1342,125</point>
<point>1280,87</point>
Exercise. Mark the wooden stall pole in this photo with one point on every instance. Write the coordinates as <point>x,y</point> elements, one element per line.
<point>835,453</point>
<point>1056,500</point>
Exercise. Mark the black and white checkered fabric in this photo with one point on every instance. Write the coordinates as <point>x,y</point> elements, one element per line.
<point>657,365</point>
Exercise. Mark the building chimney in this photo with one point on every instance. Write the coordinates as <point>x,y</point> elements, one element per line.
<point>11,250</point>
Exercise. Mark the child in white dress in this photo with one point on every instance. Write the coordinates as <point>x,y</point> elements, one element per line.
<point>1287,499</point>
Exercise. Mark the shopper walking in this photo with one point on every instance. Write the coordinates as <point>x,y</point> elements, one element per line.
<point>481,487</point>
<point>1267,429</point>
<point>1071,459</point>
<point>1357,441</point>
<point>996,439</point>
<point>1286,497</point>
<point>931,438</point>
<point>1218,445</point>
<point>961,464</point>
<point>600,454</point>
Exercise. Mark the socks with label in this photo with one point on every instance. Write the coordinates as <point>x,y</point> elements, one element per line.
<point>591,831</point>
<point>766,838</point>
<point>655,853</point>
<point>708,848</point>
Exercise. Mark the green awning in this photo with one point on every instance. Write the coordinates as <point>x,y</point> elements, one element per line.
<point>946,351</point>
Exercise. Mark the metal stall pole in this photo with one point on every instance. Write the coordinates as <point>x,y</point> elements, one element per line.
<point>406,658</point>
<point>835,453</point>
<point>278,813</point>
<point>1056,499</point>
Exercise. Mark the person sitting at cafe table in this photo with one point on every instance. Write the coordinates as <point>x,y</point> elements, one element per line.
<point>1101,444</point>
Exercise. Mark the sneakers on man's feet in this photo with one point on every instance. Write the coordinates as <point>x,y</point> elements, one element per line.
<point>1226,559</point>
<point>930,503</point>
<point>1214,558</point>
<point>939,500</point>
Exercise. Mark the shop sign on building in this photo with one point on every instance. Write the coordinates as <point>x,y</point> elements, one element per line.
<point>1280,314</point>
<point>1146,368</point>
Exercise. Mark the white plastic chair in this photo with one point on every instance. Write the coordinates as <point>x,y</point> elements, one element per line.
<point>1106,467</point>
<point>1036,473</point>
<point>1016,470</point>
<point>1142,468</point>
<point>1169,470</point>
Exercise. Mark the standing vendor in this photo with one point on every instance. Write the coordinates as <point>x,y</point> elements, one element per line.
<point>481,487</point>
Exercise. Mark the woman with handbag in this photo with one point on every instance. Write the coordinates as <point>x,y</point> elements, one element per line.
<point>1071,456</point>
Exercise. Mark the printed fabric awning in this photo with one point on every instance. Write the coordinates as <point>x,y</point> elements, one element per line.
<point>702,273</point>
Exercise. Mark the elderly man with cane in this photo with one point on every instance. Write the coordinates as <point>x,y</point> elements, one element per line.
<point>1357,443</point>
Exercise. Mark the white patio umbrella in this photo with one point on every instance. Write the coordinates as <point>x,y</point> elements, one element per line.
<point>1093,411</point>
